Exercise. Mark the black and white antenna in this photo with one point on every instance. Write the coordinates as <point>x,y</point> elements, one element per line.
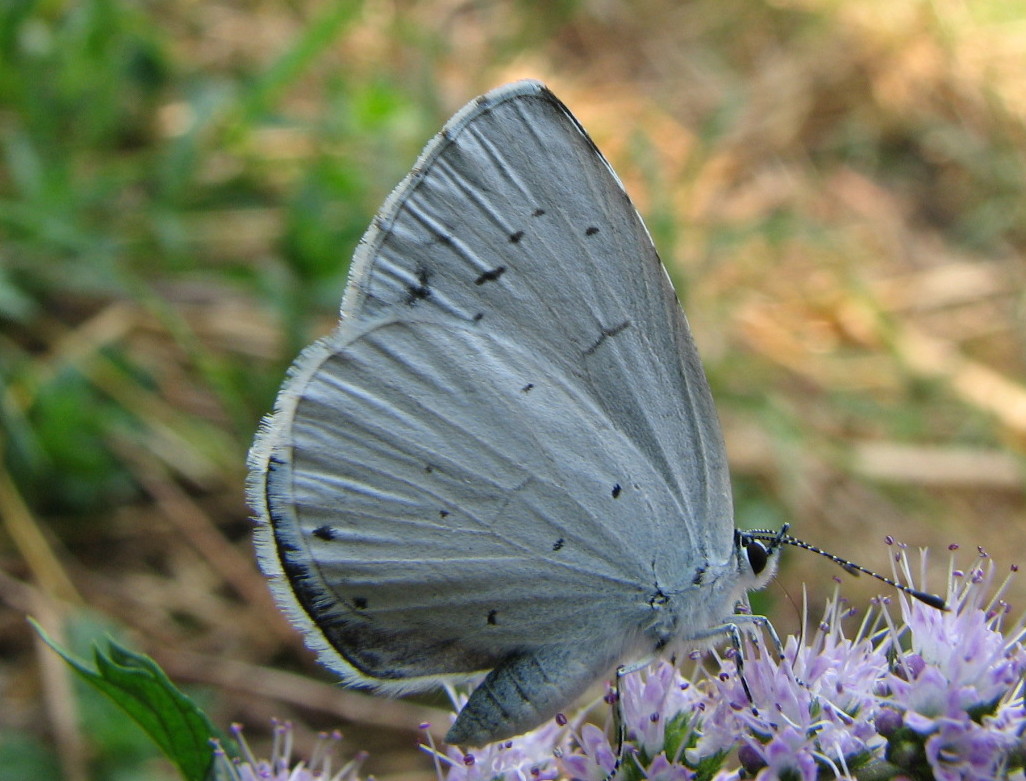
<point>781,537</point>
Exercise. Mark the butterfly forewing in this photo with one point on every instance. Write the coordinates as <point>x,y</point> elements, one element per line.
<point>514,220</point>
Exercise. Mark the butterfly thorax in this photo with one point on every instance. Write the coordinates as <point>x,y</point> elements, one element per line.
<point>687,613</point>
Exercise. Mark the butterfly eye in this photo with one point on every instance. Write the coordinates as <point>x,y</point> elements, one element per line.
<point>758,556</point>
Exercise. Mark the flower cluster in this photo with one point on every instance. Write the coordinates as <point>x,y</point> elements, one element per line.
<point>935,694</point>
<point>956,696</point>
<point>279,767</point>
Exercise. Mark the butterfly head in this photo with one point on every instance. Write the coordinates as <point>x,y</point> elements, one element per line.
<point>757,556</point>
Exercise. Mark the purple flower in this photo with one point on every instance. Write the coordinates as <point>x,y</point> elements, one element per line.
<point>279,767</point>
<point>958,685</point>
<point>964,645</point>
<point>817,709</point>
<point>592,759</point>
<point>662,769</point>
<point>786,754</point>
<point>652,701</point>
<point>960,750</point>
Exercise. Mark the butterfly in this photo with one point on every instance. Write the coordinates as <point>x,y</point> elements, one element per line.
<point>505,458</point>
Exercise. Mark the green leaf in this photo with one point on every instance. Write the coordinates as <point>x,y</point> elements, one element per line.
<point>678,734</point>
<point>139,687</point>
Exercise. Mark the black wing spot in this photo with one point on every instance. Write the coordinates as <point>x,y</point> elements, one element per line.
<point>558,544</point>
<point>537,212</point>
<point>606,334</point>
<point>443,513</point>
<point>490,276</point>
<point>591,231</point>
<point>528,388</point>
<point>616,490</point>
<point>415,293</point>
<point>360,603</point>
<point>478,316</point>
<point>429,468</point>
<point>491,617</point>
<point>516,237</point>
<point>325,533</point>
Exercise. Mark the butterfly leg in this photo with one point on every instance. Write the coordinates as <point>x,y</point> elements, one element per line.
<point>733,633</point>
<point>619,720</point>
<point>767,626</point>
<point>732,630</point>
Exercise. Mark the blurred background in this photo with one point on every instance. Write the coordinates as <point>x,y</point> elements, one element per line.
<point>836,188</point>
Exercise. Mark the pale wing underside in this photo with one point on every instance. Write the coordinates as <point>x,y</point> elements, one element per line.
<point>512,215</point>
<point>440,515</point>
<point>509,440</point>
